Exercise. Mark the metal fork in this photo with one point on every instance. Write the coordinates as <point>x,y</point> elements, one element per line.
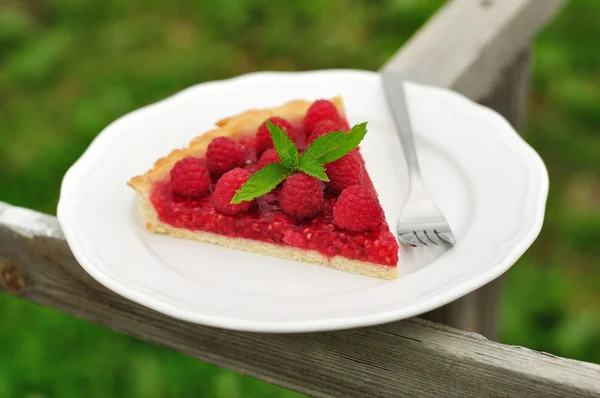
<point>420,222</point>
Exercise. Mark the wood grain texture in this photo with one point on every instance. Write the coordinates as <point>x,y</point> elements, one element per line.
<point>402,359</point>
<point>467,44</point>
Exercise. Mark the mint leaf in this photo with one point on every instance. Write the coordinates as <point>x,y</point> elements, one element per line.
<point>312,167</point>
<point>285,147</point>
<point>332,146</point>
<point>261,182</point>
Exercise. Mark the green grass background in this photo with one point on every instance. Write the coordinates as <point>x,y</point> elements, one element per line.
<point>69,67</point>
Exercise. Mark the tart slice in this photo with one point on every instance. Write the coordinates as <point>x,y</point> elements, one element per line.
<point>288,182</point>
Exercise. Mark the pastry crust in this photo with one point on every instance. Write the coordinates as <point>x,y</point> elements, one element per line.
<point>239,126</point>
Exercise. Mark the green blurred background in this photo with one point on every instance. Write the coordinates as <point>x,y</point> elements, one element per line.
<point>69,67</point>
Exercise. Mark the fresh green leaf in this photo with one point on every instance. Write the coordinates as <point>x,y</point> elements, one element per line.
<point>312,167</point>
<point>332,146</point>
<point>262,182</point>
<point>285,147</point>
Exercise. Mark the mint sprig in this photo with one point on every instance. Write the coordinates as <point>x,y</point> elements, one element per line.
<point>262,182</point>
<point>285,147</point>
<point>326,148</point>
<point>312,167</point>
<point>332,146</point>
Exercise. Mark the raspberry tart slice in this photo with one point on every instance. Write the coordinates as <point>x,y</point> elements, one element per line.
<point>288,182</point>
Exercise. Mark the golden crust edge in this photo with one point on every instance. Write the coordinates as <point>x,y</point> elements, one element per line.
<point>239,125</point>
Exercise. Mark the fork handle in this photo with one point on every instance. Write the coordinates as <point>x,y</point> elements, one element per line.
<point>396,98</point>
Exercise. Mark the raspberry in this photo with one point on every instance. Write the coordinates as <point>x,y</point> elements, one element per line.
<point>344,172</point>
<point>251,168</point>
<point>322,128</point>
<point>225,190</point>
<point>297,132</point>
<point>357,209</point>
<point>301,196</point>
<point>320,110</point>
<point>263,136</point>
<point>344,125</point>
<point>223,154</point>
<point>268,157</point>
<point>189,178</point>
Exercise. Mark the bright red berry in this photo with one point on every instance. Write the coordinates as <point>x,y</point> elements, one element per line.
<point>344,172</point>
<point>223,154</point>
<point>251,168</point>
<point>322,128</point>
<point>320,110</point>
<point>190,178</point>
<point>225,190</point>
<point>296,132</point>
<point>268,157</point>
<point>357,209</point>
<point>344,125</point>
<point>301,196</point>
<point>263,136</point>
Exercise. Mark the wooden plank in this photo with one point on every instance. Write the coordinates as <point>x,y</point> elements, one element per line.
<point>509,96</point>
<point>468,43</point>
<point>410,358</point>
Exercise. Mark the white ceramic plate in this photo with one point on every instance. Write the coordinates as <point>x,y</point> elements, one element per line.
<point>488,182</point>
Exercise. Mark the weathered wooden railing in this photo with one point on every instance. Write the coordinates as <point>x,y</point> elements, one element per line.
<point>478,47</point>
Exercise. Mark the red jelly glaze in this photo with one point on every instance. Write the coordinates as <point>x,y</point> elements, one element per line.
<point>266,222</point>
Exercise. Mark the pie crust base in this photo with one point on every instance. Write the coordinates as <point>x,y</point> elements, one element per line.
<point>241,126</point>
